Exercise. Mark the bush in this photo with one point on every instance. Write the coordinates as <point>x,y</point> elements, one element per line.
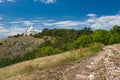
<point>115,38</point>
<point>101,36</point>
<point>82,42</point>
<point>46,51</point>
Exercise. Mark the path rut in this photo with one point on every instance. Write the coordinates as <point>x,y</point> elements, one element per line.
<point>104,66</point>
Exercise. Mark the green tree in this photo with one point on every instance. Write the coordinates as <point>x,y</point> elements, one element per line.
<point>101,36</point>
<point>115,29</point>
<point>115,38</point>
<point>82,41</point>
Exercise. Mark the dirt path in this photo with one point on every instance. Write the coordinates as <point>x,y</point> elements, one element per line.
<point>104,66</point>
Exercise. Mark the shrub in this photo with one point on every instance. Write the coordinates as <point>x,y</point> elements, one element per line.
<point>46,51</point>
<point>82,42</point>
<point>101,36</point>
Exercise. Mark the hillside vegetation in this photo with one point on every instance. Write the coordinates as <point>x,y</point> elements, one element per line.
<point>53,41</point>
<point>40,56</point>
<point>32,69</point>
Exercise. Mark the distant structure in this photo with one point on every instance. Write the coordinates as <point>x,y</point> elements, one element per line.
<point>30,31</point>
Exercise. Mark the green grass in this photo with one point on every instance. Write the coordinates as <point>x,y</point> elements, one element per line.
<point>83,53</point>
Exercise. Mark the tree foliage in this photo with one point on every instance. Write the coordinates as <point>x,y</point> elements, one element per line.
<point>82,41</point>
<point>101,36</point>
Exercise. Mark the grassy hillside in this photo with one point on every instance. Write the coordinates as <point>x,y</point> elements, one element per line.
<point>64,42</point>
<point>53,41</point>
<point>28,68</point>
<point>10,47</point>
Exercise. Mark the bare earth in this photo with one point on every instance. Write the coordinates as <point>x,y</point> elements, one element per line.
<point>104,66</point>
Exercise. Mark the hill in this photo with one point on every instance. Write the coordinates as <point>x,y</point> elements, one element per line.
<point>81,64</point>
<point>23,55</point>
<point>10,47</point>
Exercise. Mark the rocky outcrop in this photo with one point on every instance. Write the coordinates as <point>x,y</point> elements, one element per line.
<point>17,46</point>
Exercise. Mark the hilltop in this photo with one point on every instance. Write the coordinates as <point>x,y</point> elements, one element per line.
<point>17,46</point>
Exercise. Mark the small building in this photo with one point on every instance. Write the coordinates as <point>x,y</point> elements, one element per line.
<point>30,31</point>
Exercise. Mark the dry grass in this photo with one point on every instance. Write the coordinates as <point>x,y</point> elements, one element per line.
<point>47,62</point>
<point>16,46</point>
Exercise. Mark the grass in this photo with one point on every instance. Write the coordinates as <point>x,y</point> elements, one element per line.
<point>83,53</point>
<point>50,61</point>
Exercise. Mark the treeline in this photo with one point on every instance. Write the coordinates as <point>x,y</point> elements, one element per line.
<point>67,39</point>
<point>61,40</point>
<point>16,36</point>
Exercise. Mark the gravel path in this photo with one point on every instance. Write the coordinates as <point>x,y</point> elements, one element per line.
<point>104,66</point>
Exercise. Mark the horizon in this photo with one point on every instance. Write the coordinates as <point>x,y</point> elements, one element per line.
<point>17,15</point>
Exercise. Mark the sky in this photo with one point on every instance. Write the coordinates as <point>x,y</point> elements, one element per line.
<point>18,15</point>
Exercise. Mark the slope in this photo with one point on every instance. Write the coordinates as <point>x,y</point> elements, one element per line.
<point>10,47</point>
<point>43,68</point>
<point>104,66</point>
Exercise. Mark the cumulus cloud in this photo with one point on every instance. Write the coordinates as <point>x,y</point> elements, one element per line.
<point>91,15</point>
<point>46,1</point>
<point>103,22</point>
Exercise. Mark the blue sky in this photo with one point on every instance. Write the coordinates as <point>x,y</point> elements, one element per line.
<point>17,15</point>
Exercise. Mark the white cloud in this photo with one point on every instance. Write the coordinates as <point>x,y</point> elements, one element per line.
<point>1,18</point>
<point>91,15</point>
<point>11,0</point>
<point>27,23</point>
<point>16,30</point>
<point>2,1</point>
<point>103,22</point>
<point>64,23</point>
<point>3,29</point>
<point>46,1</point>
